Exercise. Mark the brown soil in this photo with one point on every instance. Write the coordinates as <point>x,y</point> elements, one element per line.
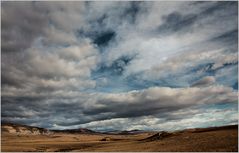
<point>211,139</point>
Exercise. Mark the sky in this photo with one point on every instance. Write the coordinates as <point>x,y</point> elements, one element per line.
<point>119,65</point>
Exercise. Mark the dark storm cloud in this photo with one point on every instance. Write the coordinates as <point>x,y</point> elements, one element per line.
<point>230,37</point>
<point>21,20</point>
<point>131,110</point>
<point>133,104</point>
<point>153,101</point>
<point>10,81</point>
<point>175,22</point>
<point>51,109</point>
<point>23,110</point>
<point>31,103</point>
<point>137,101</point>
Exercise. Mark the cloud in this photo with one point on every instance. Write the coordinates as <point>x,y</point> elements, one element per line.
<point>29,23</point>
<point>157,100</point>
<point>204,81</point>
<point>160,102</point>
<point>153,123</point>
<point>176,50</point>
<point>79,62</point>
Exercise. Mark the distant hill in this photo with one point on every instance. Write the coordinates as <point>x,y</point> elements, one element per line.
<point>19,129</point>
<point>127,132</point>
<point>136,131</point>
<point>22,129</point>
<point>163,134</point>
<point>25,130</point>
<point>74,131</point>
<point>198,130</point>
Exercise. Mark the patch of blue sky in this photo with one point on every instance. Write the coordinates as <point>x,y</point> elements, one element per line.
<point>228,76</point>
<point>116,82</point>
<point>224,106</point>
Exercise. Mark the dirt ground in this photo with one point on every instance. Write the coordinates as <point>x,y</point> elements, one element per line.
<point>222,140</point>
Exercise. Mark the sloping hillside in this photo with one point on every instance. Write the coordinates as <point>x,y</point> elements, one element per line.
<point>23,129</point>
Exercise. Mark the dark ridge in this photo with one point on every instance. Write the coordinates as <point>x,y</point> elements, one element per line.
<point>75,131</point>
<point>131,132</point>
<point>164,134</point>
<point>158,136</point>
<point>199,130</point>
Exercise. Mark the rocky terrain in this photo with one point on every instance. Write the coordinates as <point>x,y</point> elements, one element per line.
<point>23,129</point>
<point>31,130</point>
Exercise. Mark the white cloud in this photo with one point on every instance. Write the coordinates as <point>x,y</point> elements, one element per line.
<point>206,81</point>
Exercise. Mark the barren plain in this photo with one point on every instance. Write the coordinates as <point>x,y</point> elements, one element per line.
<point>222,139</point>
